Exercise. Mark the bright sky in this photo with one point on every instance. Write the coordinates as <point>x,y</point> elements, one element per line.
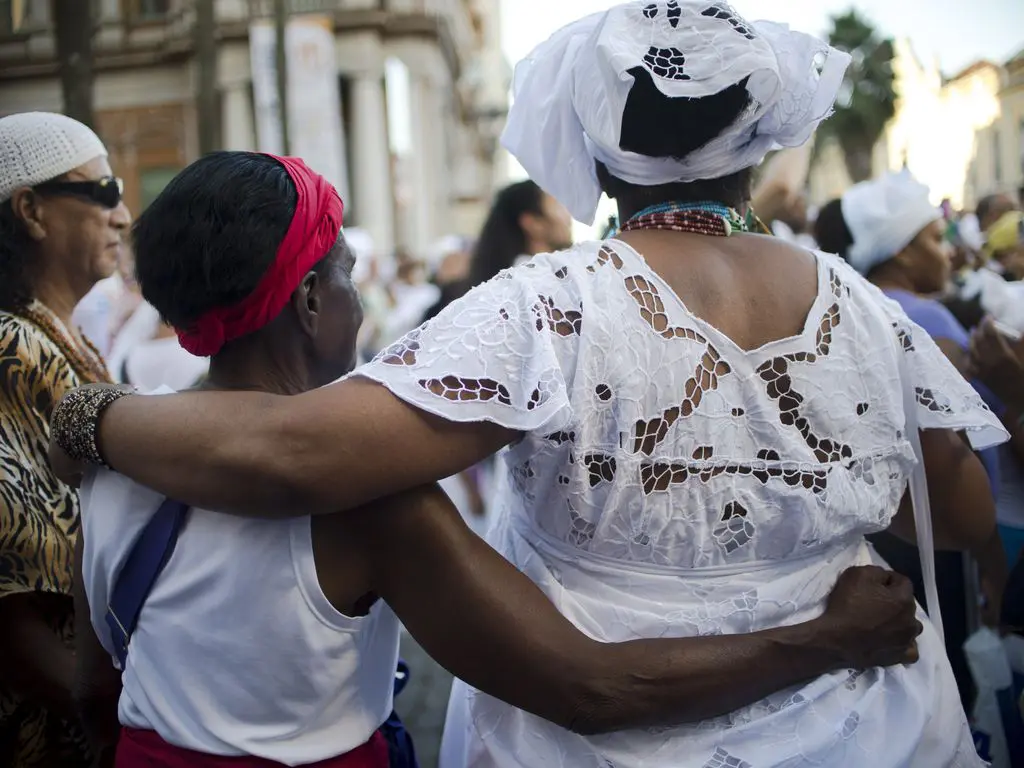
<point>955,32</point>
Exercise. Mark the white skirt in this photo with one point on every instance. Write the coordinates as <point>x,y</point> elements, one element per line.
<point>900,717</point>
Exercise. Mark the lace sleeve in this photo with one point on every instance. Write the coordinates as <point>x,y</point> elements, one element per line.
<point>494,355</point>
<point>945,400</point>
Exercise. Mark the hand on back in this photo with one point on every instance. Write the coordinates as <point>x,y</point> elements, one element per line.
<point>874,616</point>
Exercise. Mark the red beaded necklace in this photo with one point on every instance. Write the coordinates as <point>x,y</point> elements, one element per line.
<point>705,218</point>
<point>695,221</point>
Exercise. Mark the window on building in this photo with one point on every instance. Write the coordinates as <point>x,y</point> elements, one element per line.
<point>152,182</point>
<point>145,10</point>
<point>348,126</point>
<point>13,15</point>
<point>997,158</point>
<point>1020,144</point>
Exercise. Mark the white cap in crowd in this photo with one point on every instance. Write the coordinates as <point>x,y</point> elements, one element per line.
<point>883,216</point>
<point>40,146</point>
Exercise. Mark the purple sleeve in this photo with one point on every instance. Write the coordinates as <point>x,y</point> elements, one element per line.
<point>935,318</point>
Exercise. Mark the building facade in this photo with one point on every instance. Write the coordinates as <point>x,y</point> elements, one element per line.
<point>998,164</point>
<point>963,136</point>
<point>433,66</point>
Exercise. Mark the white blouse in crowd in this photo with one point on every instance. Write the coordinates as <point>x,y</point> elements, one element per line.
<point>671,484</point>
<point>148,363</point>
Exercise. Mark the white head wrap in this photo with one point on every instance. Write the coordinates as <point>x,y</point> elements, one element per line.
<point>883,216</point>
<point>40,146</point>
<point>570,93</point>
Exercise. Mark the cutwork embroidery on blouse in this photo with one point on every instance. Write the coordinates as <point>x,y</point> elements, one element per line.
<point>718,12</point>
<point>673,14</point>
<point>524,340</point>
<point>651,442</point>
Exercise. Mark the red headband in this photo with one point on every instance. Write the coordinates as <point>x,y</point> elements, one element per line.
<point>311,235</point>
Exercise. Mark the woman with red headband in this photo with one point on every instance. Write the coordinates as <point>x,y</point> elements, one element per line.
<point>261,643</point>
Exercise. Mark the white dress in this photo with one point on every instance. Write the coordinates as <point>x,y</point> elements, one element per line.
<point>670,484</point>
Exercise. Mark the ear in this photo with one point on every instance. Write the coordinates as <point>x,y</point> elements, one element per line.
<point>531,224</point>
<point>28,209</point>
<point>306,302</point>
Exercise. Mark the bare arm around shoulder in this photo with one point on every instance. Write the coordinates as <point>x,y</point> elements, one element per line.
<point>324,451</point>
<point>491,626</point>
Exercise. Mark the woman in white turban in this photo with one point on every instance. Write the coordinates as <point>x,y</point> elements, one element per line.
<point>701,423</point>
<point>890,232</point>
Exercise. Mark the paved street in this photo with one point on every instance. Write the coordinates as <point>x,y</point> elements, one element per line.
<point>423,703</point>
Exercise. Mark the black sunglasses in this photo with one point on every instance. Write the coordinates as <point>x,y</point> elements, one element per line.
<point>106,192</point>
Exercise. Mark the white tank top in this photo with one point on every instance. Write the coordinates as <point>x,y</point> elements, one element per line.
<point>237,651</point>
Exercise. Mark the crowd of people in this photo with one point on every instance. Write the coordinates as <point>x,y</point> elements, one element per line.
<point>676,497</point>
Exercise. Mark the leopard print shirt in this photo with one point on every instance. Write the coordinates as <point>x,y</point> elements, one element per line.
<point>38,528</point>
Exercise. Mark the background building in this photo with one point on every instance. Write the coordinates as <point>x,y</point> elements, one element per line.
<point>432,64</point>
<point>963,136</point>
<point>998,164</point>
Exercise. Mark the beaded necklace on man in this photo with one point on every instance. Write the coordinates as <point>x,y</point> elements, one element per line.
<point>83,357</point>
<point>701,218</point>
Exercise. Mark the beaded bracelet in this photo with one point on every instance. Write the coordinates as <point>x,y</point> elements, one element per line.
<point>76,421</point>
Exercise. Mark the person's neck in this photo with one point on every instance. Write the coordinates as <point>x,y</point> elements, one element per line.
<point>629,208</point>
<point>535,246</point>
<point>58,295</point>
<point>241,366</point>
<point>893,280</point>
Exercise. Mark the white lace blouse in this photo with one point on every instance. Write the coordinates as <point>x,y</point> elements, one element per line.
<point>670,483</point>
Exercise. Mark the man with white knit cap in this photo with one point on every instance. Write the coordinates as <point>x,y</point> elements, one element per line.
<point>61,227</point>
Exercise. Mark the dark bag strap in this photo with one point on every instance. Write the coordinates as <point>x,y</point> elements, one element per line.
<point>143,567</point>
<point>401,752</point>
<point>145,562</point>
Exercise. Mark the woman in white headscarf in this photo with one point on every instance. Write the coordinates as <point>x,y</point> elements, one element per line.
<point>702,423</point>
<point>890,232</point>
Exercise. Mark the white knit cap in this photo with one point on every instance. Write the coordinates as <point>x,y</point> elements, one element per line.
<point>883,216</point>
<point>40,146</point>
<point>571,91</point>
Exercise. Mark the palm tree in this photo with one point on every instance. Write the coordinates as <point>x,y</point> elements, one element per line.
<point>867,99</point>
<point>73,27</point>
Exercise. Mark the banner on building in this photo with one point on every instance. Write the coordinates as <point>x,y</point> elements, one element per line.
<point>315,130</point>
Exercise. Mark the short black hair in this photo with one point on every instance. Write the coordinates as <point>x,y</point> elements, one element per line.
<point>656,125</point>
<point>212,233</point>
<point>16,260</point>
<point>830,229</point>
